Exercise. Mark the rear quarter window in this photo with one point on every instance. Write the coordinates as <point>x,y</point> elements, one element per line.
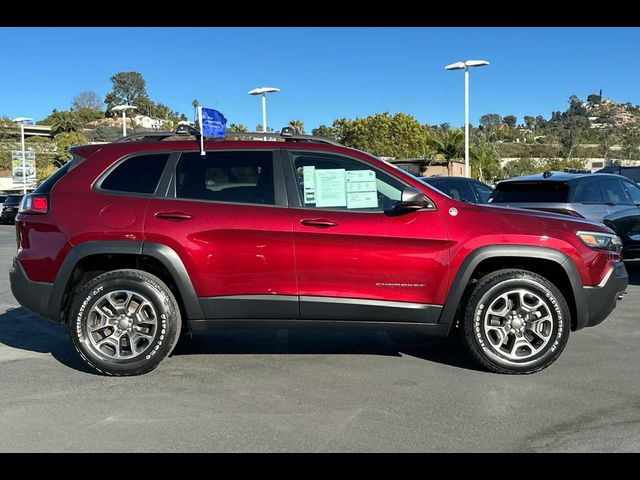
<point>530,192</point>
<point>139,174</point>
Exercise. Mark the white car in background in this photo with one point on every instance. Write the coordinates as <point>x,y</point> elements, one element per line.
<point>19,172</point>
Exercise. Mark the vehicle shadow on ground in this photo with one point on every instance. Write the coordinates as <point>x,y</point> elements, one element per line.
<point>22,330</point>
<point>633,269</point>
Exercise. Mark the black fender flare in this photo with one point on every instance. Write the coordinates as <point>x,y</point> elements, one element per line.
<point>164,254</point>
<point>473,259</point>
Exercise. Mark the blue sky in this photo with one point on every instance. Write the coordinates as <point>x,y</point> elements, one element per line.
<point>323,73</point>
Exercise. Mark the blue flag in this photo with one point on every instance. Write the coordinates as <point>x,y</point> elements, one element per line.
<point>213,123</point>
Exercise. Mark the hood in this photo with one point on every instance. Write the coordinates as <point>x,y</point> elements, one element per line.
<point>545,220</point>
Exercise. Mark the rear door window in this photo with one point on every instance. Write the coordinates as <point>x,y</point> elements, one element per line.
<point>613,193</point>
<point>139,174</point>
<point>530,192</point>
<point>238,177</point>
<point>587,192</point>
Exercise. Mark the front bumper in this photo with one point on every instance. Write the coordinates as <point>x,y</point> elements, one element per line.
<point>34,296</point>
<point>602,299</point>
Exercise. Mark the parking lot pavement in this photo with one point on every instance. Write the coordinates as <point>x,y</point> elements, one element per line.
<point>291,390</point>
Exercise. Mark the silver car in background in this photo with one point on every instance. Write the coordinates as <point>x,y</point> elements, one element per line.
<point>605,198</point>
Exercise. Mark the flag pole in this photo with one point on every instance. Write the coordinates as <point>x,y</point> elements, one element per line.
<point>202,152</point>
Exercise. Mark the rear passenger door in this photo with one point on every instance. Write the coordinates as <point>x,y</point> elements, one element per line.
<point>226,216</point>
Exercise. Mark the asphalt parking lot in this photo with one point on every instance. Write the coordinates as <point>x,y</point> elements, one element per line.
<point>316,391</point>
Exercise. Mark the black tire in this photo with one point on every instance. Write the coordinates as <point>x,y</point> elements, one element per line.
<point>482,348</point>
<point>163,337</point>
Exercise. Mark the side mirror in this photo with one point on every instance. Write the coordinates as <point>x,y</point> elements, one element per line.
<point>411,199</point>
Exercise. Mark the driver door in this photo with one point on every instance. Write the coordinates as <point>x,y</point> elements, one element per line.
<point>355,258</point>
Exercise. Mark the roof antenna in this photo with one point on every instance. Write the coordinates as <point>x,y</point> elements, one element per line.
<point>547,174</point>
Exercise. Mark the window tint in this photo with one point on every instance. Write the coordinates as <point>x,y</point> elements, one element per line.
<point>530,192</point>
<point>587,192</point>
<point>334,181</point>
<point>612,192</point>
<point>483,191</point>
<point>461,190</point>
<point>633,191</point>
<point>139,174</point>
<point>241,177</point>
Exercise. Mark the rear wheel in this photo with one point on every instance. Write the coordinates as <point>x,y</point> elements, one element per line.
<point>125,322</point>
<point>516,322</point>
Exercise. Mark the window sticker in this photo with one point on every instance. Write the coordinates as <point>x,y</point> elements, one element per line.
<point>309,184</point>
<point>330,188</point>
<point>362,191</point>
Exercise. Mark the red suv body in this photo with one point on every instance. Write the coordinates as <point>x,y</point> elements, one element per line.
<point>294,233</point>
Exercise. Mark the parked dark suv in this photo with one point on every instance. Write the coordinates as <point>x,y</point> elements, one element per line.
<point>133,242</point>
<point>9,209</point>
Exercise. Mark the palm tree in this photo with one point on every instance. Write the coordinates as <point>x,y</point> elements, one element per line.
<point>65,122</point>
<point>195,109</point>
<point>448,143</point>
<point>239,128</point>
<point>298,126</point>
<point>484,163</point>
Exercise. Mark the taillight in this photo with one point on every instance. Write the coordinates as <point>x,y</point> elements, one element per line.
<point>34,204</point>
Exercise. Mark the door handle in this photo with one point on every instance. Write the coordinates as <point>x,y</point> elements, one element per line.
<point>318,223</point>
<point>174,216</point>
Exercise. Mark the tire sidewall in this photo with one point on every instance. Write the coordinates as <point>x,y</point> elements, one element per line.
<point>166,332</point>
<point>556,305</point>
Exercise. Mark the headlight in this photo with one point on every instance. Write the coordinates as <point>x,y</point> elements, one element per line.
<point>608,241</point>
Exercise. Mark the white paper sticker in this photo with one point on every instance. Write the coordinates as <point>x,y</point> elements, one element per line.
<point>309,184</point>
<point>330,188</point>
<point>362,191</point>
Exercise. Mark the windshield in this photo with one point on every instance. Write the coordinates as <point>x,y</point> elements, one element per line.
<point>530,192</point>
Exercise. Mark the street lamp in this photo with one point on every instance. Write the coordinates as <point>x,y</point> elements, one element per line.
<point>263,91</point>
<point>465,66</point>
<point>123,109</point>
<point>21,121</point>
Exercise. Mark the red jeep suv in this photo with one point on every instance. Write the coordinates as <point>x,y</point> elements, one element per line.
<point>135,242</point>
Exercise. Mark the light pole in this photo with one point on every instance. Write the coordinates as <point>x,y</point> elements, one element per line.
<point>21,121</point>
<point>263,91</point>
<point>465,66</point>
<point>123,109</point>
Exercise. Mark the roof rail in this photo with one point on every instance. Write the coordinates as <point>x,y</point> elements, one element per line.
<point>286,135</point>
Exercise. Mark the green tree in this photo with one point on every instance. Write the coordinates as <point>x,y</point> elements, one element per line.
<point>510,121</point>
<point>490,120</point>
<point>594,99</point>
<point>521,166</point>
<point>324,132</point>
<point>9,130</point>
<point>86,101</point>
<point>449,144</point>
<point>126,87</point>
<point>239,128</point>
<point>631,142</point>
<point>65,122</point>
<point>485,165</point>
<point>297,125</point>
<point>530,122</point>
<point>66,140</point>
<point>399,135</point>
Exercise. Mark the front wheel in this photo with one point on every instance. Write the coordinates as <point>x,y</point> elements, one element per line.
<point>516,322</point>
<point>124,322</point>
